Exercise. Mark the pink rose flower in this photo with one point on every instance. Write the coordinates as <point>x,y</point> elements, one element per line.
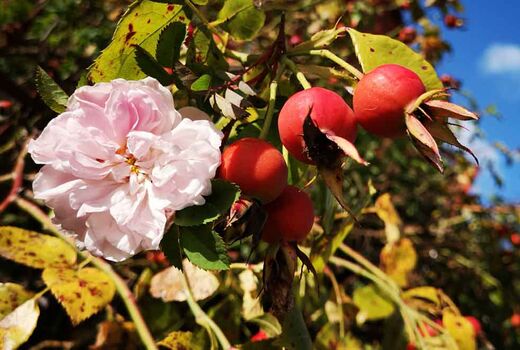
<point>120,161</point>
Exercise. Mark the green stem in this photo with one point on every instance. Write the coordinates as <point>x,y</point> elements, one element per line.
<point>299,75</point>
<point>273,89</point>
<point>336,59</point>
<point>202,318</point>
<point>121,287</point>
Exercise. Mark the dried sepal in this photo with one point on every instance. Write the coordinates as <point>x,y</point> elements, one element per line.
<point>348,148</point>
<point>427,96</point>
<point>443,133</point>
<point>334,180</point>
<point>440,109</point>
<point>423,141</point>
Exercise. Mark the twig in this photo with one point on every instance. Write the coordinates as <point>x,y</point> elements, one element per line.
<point>17,176</point>
<point>121,287</point>
<point>339,301</point>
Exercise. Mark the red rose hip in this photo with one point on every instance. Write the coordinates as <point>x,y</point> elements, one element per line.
<point>329,112</point>
<point>290,216</point>
<point>256,166</point>
<point>381,97</point>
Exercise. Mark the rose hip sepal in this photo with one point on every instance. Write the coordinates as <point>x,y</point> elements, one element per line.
<point>391,101</point>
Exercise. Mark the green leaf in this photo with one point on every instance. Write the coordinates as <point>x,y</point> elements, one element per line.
<point>82,293</point>
<point>243,19</point>
<point>12,295</point>
<point>223,195</point>
<point>50,92</point>
<point>269,324</point>
<point>34,249</point>
<point>295,334</point>
<point>231,8</point>
<point>151,67</point>
<point>18,326</point>
<point>171,246</point>
<point>202,83</point>
<point>170,42</point>
<point>329,335</point>
<point>372,305</point>
<point>247,23</point>
<point>177,340</point>
<point>204,247</point>
<point>141,25</point>
<point>319,40</point>
<point>375,50</point>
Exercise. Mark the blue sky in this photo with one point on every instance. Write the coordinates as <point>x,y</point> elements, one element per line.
<point>486,57</point>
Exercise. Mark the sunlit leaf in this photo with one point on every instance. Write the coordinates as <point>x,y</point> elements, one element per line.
<point>371,303</point>
<point>12,295</point>
<point>168,284</point>
<point>460,329</point>
<point>141,25</point>
<point>18,326</point>
<point>387,212</point>
<point>375,50</point>
<point>177,341</point>
<point>82,293</point>
<point>398,259</point>
<point>34,249</point>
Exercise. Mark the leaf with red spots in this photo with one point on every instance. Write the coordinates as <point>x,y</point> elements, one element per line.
<point>81,292</point>
<point>141,25</point>
<point>35,249</point>
<point>375,50</point>
<point>12,295</point>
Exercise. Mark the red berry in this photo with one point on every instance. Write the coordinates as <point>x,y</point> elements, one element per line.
<point>411,346</point>
<point>381,97</point>
<point>475,323</point>
<point>295,39</point>
<point>328,111</point>
<point>515,238</point>
<point>290,216</point>
<point>407,35</point>
<point>452,21</point>
<point>261,335</point>
<point>256,167</point>
<point>5,104</point>
<point>515,320</point>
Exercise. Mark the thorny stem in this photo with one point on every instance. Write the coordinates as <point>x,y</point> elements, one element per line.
<point>336,59</point>
<point>121,287</point>
<point>202,318</point>
<point>299,75</point>
<point>273,89</point>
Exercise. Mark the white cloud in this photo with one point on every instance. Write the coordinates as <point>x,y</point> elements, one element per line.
<point>501,58</point>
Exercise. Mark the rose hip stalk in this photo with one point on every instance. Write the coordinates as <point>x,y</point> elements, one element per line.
<point>391,101</point>
<point>119,162</point>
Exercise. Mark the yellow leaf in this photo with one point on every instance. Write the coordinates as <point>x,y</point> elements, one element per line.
<point>460,329</point>
<point>371,303</point>
<point>35,249</point>
<point>398,260</point>
<point>425,293</point>
<point>18,326</point>
<point>177,341</point>
<point>386,212</point>
<point>12,295</point>
<point>82,293</point>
